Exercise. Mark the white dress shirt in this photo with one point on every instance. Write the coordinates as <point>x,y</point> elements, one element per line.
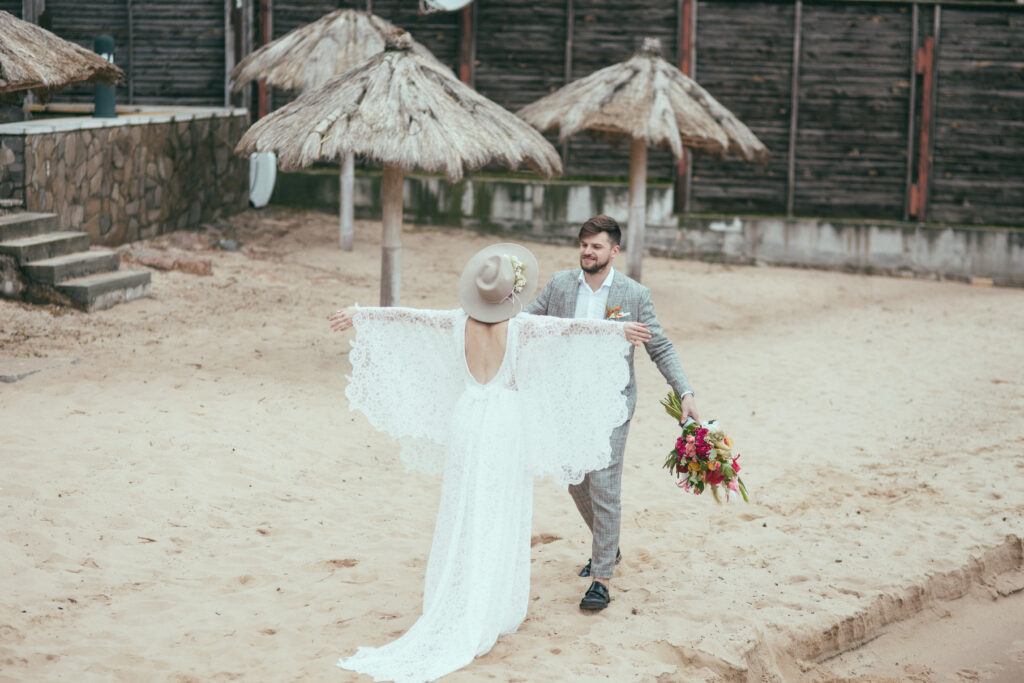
<point>591,304</point>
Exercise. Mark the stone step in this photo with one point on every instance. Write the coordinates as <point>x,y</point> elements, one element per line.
<point>55,270</point>
<point>26,224</point>
<point>44,246</point>
<point>96,292</point>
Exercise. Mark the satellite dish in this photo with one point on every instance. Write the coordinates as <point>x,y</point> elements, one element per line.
<point>262,175</point>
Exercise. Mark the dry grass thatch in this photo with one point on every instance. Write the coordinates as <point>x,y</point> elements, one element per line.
<point>32,58</point>
<point>400,108</point>
<point>647,98</point>
<point>314,53</point>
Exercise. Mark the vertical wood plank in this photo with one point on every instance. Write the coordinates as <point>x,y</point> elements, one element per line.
<point>911,114</point>
<point>794,106</point>
<point>130,72</point>
<point>570,18</point>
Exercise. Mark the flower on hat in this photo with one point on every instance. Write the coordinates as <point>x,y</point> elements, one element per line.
<point>520,272</point>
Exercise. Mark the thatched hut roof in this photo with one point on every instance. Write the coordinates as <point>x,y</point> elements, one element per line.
<point>400,108</point>
<point>313,53</point>
<point>649,99</point>
<point>32,58</point>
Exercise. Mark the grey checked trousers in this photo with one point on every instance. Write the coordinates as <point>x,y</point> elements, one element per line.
<point>597,498</point>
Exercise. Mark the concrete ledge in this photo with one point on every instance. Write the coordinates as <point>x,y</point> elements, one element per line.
<point>137,116</point>
<point>553,211</point>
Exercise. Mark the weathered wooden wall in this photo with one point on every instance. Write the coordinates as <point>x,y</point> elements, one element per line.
<point>171,52</point>
<point>858,101</point>
<point>853,102</point>
<point>978,172</point>
<point>758,36</point>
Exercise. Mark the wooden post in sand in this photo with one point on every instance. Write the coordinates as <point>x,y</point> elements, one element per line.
<point>637,206</point>
<point>391,243</point>
<point>346,211</point>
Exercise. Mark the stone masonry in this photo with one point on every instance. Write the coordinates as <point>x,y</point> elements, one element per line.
<point>128,178</point>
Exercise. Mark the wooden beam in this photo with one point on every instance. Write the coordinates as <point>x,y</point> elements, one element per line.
<point>264,19</point>
<point>926,68</point>
<point>129,71</point>
<point>467,44</point>
<point>686,39</point>
<point>570,20</point>
<point>794,107</point>
<point>911,115</point>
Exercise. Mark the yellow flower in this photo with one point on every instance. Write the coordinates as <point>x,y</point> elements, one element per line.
<point>693,466</point>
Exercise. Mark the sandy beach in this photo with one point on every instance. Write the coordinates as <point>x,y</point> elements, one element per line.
<point>185,495</point>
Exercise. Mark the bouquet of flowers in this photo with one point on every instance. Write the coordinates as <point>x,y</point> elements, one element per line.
<point>702,456</point>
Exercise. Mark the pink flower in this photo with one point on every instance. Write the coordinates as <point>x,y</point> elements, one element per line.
<point>689,438</point>
<point>734,485</point>
<point>736,465</point>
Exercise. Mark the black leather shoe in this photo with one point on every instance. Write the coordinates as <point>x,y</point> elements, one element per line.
<point>597,597</point>
<point>585,572</point>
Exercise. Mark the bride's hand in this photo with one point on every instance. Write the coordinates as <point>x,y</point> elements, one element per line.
<point>637,334</point>
<point>342,320</point>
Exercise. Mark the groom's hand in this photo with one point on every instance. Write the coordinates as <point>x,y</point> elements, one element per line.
<point>689,409</point>
<point>637,334</point>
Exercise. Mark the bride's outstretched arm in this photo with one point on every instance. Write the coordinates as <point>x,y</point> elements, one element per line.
<point>345,318</point>
<point>342,320</point>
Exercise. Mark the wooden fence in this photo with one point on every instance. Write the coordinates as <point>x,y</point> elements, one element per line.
<point>881,109</point>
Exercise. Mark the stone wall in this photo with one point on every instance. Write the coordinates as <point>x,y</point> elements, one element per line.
<point>12,170</point>
<point>132,177</point>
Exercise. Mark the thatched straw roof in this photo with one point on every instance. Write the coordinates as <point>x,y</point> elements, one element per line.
<point>400,108</point>
<point>647,98</point>
<point>32,58</point>
<point>313,53</point>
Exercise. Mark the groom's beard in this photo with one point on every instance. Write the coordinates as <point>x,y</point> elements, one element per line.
<point>595,266</point>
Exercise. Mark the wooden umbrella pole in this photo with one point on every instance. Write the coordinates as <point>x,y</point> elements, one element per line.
<point>346,216</point>
<point>637,206</point>
<point>391,244</point>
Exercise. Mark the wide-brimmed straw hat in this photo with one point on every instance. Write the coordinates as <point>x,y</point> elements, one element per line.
<point>497,282</point>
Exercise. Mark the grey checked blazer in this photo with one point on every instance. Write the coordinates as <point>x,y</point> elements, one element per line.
<point>558,298</point>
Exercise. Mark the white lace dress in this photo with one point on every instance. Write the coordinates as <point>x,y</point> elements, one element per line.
<point>549,410</point>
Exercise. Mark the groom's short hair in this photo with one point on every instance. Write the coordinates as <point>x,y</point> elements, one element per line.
<point>602,223</point>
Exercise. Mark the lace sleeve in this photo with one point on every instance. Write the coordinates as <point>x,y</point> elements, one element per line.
<point>571,374</point>
<point>405,379</point>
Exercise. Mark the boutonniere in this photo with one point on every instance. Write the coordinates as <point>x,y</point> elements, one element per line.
<point>615,313</point>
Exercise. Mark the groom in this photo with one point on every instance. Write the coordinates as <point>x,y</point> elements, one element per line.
<point>596,290</point>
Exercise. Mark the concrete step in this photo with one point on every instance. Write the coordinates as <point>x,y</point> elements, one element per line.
<point>44,246</point>
<point>96,292</point>
<point>54,270</point>
<point>26,224</point>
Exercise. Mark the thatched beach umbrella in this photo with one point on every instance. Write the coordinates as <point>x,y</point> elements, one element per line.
<point>32,58</point>
<point>406,112</point>
<point>653,103</point>
<point>312,54</point>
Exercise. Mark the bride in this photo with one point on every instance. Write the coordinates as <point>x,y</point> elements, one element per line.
<point>489,397</point>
